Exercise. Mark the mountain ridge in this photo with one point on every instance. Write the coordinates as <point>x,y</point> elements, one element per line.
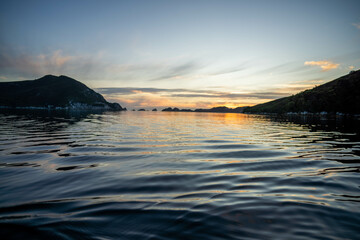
<point>339,95</point>
<point>52,92</point>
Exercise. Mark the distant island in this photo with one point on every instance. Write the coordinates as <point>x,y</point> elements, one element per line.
<point>221,109</point>
<point>53,92</point>
<point>341,95</point>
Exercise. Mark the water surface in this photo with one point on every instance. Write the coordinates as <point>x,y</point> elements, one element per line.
<point>165,175</point>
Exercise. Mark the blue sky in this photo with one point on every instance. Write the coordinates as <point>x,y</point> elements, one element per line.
<point>182,53</point>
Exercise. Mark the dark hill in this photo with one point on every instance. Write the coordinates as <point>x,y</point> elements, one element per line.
<point>340,95</point>
<point>52,92</point>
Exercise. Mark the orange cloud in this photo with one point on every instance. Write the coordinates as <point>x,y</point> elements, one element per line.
<point>54,60</point>
<point>59,59</point>
<point>357,25</point>
<point>325,65</point>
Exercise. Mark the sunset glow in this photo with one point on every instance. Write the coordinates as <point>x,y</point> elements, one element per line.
<point>147,54</point>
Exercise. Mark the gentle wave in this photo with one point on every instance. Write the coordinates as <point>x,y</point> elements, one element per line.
<point>175,176</point>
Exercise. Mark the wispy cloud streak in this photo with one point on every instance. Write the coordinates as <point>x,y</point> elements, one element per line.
<point>177,70</point>
<point>188,93</point>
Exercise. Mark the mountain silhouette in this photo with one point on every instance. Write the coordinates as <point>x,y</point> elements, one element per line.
<point>52,92</point>
<point>340,95</point>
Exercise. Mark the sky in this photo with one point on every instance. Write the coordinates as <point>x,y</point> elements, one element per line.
<point>186,54</point>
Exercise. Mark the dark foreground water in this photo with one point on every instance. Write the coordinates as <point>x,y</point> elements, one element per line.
<point>158,175</point>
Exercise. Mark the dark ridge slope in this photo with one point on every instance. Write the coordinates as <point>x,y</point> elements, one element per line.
<point>340,95</point>
<point>52,92</point>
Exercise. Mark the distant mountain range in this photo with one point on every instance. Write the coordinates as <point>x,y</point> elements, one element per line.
<point>52,92</point>
<point>340,95</point>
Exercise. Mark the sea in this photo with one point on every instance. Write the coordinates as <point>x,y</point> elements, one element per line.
<point>178,175</point>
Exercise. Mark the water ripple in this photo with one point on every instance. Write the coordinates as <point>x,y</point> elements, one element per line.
<point>157,175</point>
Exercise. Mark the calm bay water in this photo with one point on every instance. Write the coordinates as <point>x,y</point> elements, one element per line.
<point>163,175</point>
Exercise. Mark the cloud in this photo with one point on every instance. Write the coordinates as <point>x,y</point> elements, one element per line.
<point>288,68</point>
<point>130,90</point>
<point>142,101</point>
<point>351,67</point>
<point>18,62</point>
<point>133,90</point>
<point>235,69</point>
<point>180,97</point>
<point>357,25</point>
<point>256,95</point>
<point>33,64</point>
<point>56,59</point>
<point>176,71</point>
<point>325,65</point>
<point>307,83</point>
<point>15,63</point>
<point>133,97</point>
